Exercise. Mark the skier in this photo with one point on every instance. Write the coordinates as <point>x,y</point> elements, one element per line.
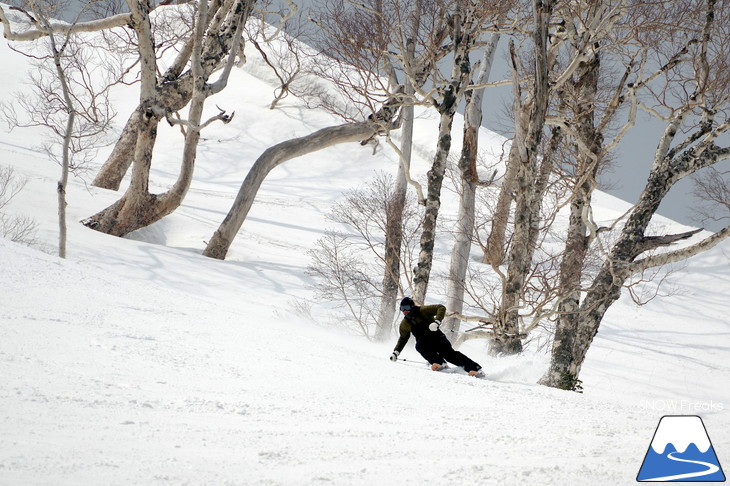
<point>423,322</point>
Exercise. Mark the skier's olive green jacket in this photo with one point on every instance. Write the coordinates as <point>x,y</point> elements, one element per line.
<point>417,324</point>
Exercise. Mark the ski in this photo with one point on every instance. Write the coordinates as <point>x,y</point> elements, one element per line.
<point>447,369</point>
<point>459,371</point>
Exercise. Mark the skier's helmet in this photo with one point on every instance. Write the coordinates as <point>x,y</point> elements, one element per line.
<point>407,304</point>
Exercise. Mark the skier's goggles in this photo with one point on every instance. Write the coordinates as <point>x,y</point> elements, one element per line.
<point>406,307</point>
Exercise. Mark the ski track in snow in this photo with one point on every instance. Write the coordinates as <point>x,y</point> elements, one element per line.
<point>132,383</point>
<point>129,383</point>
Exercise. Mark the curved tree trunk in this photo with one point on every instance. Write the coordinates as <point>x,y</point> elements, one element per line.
<point>222,239</point>
<point>621,262</point>
<point>272,157</point>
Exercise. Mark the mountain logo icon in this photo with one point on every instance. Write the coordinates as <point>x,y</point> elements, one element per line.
<point>681,451</point>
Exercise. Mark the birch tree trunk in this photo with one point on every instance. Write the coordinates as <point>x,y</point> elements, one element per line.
<point>65,155</point>
<point>63,87</point>
<point>673,160</point>
<point>507,338</point>
<point>463,38</point>
<point>394,213</point>
<point>494,253</point>
<point>435,176</point>
<point>175,88</point>
<point>394,230</point>
<point>377,123</point>
<point>138,208</point>
<point>272,157</point>
<point>464,230</point>
<point>577,238</point>
<point>120,160</point>
<point>621,264</point>
<point>63,181</point>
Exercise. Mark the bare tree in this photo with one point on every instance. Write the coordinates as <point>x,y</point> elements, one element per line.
<point>469,181</point>
<point>138,207</point>
<point>394,217</point>
<point>349,261</point>
<point>281,50</point>
<point>394,223</point>
<point>712,190</point>
<point>528,134</point>
<point>174,87</point>
<point>494,249</point>
<point>367,116</point>
<point>468,21</point>
<point>566,61</point>
<point>691,94</point>
<point>213,48</point>
<point>67,100</point>
<point>585,124</point>
<point>538,285</point>
<point>16,228</point>
<point>370,46</point>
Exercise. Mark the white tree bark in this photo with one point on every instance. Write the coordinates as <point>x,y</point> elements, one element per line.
<point>378,123</point>
<point>44,29</point>
<point>394,225</point>
<point>506,329</point>
<point>174,89</point>
<point>138,208</point>
<point>578,237</point>
<point>621,263</point>
<point>272,157</point>
<point>464,35</point>
<point>673,161</point>
<point>59,38</point>
<point>63,181</point>
<point>464,230</point>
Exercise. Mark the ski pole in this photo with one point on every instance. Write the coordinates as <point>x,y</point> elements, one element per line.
<point>410,361</point>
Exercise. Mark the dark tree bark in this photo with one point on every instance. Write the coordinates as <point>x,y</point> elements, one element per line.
<point>467,198</point>
<point>507,338</point>
<point>464,34</point>
<point>621,263</point>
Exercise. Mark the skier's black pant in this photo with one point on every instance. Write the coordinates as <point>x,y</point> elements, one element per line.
<point>437,349</point>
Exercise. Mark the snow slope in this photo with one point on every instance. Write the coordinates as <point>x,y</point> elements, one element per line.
<point>138,361</point>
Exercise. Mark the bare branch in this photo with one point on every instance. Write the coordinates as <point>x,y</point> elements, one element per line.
<point>406,169</point>
<point>63,28</point>
<point>652,242</point>
<point>679,255</point>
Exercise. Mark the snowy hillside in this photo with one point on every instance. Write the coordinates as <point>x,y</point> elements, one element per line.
<point>138,361</point>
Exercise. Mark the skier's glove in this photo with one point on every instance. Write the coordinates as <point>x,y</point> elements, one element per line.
<point>434,326</point>
<point>394,356</point>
